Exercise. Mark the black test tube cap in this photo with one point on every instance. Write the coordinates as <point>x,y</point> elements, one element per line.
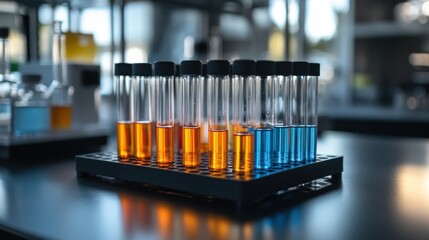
<point>218,67</point>
<point>284,68</point>
<point>142,69</point>
<point>243,67</point>
<point>191,67</point>
<point>164,68</point>
<point>4,32</point>
<point>177,72</point>
<point>123,69</point>
<point>204,70</point>
<point>300,68</point>
<point>314,69</point>
<point>265,68</point>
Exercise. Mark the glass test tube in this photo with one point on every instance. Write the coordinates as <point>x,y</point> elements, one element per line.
<point>264,114</point>
<point>164,72</point>
<point>60,91</point>
<point>311,121</point>
<point>281,131</point>
<point>243,72</point>
<point>204,112</point>
<point>6,85</point>
<point>142,127</point>
<point>218,113</point>
<point>4,54</point>
<point>190,71</point>
<point>178,101</point>
<point>123,72</point>
<point>298,113</point>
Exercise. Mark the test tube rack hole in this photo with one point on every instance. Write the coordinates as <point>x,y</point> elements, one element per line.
<point>241,188</point>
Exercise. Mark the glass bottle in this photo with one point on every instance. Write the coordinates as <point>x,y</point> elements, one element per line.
<point>31,112</point>
<point>60,91</point>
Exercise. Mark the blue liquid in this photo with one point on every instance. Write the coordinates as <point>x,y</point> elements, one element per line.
<point>29,119</point>
<point>5,115</point>
<point>263,147</point>
<point>297,144</point>
<point>281,144</point>
<point>311,142</point>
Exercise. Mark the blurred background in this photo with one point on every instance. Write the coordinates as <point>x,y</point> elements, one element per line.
<point>374,55</point>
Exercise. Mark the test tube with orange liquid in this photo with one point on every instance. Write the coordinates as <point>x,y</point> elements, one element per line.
<point>60,91</point>
<point>178,101</point>
<point>190,72</point>
<point>204,110</point>
<point>143,119</point>
<point>243,72</point>
<point>164,85</point>
<point>123,72</point>
<point>218,113</point>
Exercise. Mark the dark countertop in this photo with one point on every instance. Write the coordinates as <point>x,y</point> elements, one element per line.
<point>384,194</point>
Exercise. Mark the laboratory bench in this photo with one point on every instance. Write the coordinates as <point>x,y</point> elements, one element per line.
<point>384,194</point>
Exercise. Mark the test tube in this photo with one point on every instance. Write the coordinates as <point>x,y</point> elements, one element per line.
<point>178,101</point>
<point>311,122</point>
<point>298,113</point>
<point>218,113</point>
<point>143,118</point>
<point>204,112</point>
<point>281,131</point>
<point>123,72</point>
<point>264,114</point>
<point>190,71</point>
<point>164,74</point>
<point>243,72</point>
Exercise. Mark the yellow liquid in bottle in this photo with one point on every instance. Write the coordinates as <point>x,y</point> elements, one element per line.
<point>143,140</point>
<point>165,144</point>
<point>124,139</point>
<point>61,117</point>
<point>191,146</point>
<point>218,149</point>
<point>243,151</point>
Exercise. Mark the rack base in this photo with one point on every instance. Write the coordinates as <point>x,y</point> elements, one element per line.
<point>244,189</point>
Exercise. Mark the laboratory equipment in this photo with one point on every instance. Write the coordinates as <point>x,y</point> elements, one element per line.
<point>311,112</point>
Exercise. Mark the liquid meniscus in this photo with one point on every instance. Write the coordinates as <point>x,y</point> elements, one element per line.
<point>297,144</point>
<point>142,140</point>
<point>281,140</point>
<point>242,151</point>
<point>165,144</point>
<point>191,146</point>
<point>263,147</point>
<point>124,139</point>
<point>311,142</point>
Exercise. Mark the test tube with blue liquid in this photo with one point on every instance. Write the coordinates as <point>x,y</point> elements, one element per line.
<point>281,126</point>
<point>311,115</point>
<point>263,118</point>
<point>298,112</point>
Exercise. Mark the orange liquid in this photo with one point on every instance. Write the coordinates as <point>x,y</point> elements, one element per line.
<point>178,132</point>
<point>191,146</point>
<point>243,151</point>
<point>124,139</point>
<point>142,140</point>
<point>61,117</point>
<point>204,137</point>
<point>218,149</point>
<point>165,144</point>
